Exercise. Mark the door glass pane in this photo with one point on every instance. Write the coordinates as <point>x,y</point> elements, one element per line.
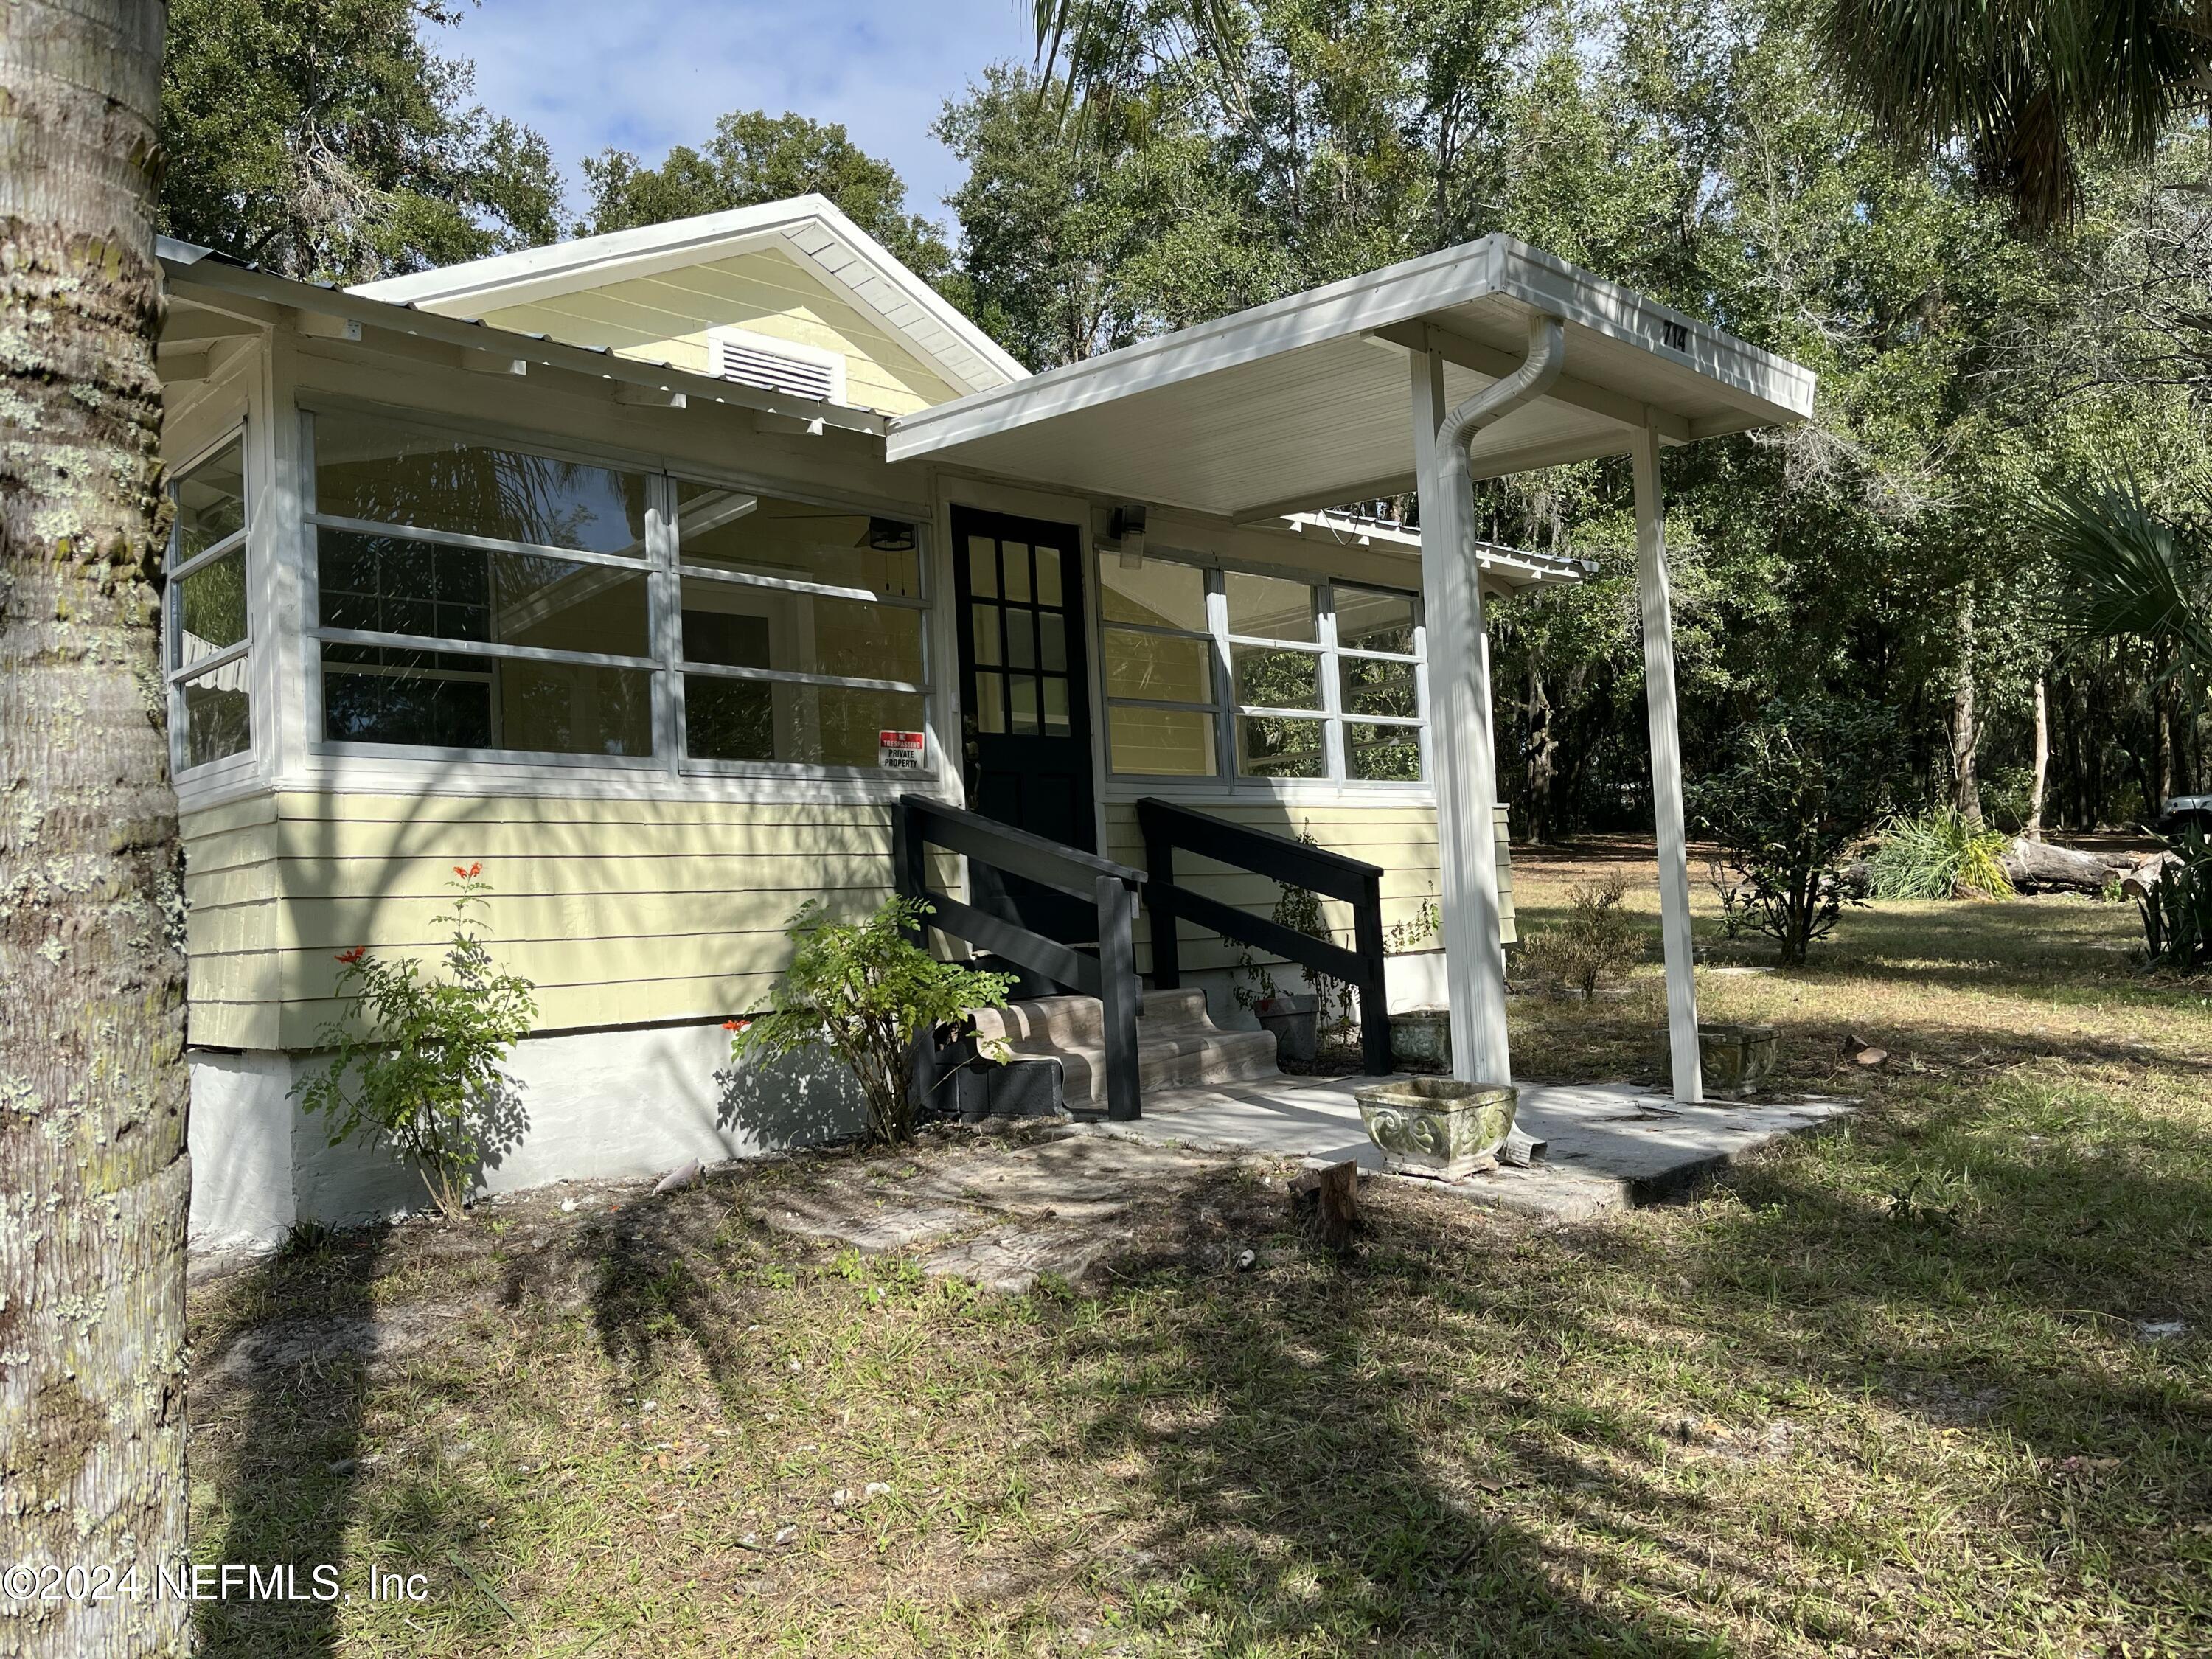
<point>211,502</point>
<point>1022,704</point>
<point>1021,639</point>
<point>991,702</point>
<point>1055,707</point>
<point>983,567</point>
<point>984,619</point>
<point>1268,679</point>
<point>1383,753</point>
<point>211,606</point>
<point>1157,667</point>
<point>797,724</point>
<point>218,715</point>
<point>1270,607</point>
<point>1015,564</point>
<point>453,700</point>
<point>1157,594</point>
<point>1369,621</point>
<point>1371,686</point>
<point>1161,742</point>
<point>740,626</point>
<point>765,536</point>
<point>1052,640</point>
<point>1047,576</point>
<point>393,585</point>
<point>370,468</point>
<point>1267,747</point>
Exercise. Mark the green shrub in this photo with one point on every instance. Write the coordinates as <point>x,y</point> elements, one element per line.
<point>416,1061</point>
<point>868,994</point>
<point>1939,855</point>
<point>1595,943</point>
<point>2176,912</point>
<point>1806,780</point>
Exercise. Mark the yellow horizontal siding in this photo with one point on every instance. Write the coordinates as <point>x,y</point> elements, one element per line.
<point>665,318</point>
<point>620,911</point>
<point>1400,840</point>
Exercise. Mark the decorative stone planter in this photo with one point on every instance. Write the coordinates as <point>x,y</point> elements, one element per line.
<point>1422,1037</point>
<point>1294,1021</point>
<point>1735,1059</point>
<point>1438,1126</point>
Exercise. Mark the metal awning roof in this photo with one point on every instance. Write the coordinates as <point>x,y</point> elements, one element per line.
<point>1307,401</point>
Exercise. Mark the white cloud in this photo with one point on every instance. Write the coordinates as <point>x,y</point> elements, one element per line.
<point>653,73</point>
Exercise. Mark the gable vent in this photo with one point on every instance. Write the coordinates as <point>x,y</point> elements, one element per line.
<point>779,366</point>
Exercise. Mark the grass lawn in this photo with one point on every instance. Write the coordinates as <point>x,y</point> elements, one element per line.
<point>1885,1391</point>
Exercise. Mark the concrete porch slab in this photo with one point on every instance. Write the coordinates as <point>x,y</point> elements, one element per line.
<point>1611,1146</point>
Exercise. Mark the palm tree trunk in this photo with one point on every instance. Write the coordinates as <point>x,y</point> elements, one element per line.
<point>94,1180</point>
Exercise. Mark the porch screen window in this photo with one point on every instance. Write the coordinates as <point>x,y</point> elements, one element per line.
<point>801,631</point>
<point>1217,672</point>
<point>475,598</point>
<point>208,614</point>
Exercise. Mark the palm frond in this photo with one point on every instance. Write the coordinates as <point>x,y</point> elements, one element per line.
<point>2128,572</point>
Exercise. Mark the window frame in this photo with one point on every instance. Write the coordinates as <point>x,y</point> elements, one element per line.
<point>659,561</point>
<point>1228,710</point>
<point>177,675</point>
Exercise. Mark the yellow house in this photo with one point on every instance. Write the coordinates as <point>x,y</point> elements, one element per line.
<point>652,571</point>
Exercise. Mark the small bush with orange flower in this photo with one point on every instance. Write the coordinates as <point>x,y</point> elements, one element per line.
<point>417,1061</point>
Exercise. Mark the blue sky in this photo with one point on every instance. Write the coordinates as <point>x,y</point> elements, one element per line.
<point>643,75</point>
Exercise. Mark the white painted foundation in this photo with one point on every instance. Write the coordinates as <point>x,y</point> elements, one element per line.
<point>596,1105</point>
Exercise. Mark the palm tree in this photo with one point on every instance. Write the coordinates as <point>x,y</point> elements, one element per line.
<point>94,1180</point>
<point>2024,86</point>
<point>2128,572</point>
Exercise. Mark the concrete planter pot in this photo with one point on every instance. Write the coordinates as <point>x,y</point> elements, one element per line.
<point>1438,1126</point>
<point>1422,1037</point>
<point>1735,1059</point>
<point>1295,1022</point>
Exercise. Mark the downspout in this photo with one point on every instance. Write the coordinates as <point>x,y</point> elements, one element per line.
<point>1547,355</point>
<point>1468,784</point>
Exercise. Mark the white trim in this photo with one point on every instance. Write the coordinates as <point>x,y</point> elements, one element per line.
<point>1768,389</point>
<point>811,229</point>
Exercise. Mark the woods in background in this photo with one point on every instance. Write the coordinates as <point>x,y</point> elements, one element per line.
<point>1984,333</point>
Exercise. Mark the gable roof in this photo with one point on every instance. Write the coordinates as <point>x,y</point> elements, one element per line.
<point>811,230</point>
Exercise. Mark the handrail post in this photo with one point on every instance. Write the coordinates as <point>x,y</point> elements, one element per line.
<point>1374,985</point>
<point>910,880</point>
<point>909,862</point>
<point>1159,902</point>
<point>1117,986</point>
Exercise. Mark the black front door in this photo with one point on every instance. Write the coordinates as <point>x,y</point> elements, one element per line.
<point>1025,702</point>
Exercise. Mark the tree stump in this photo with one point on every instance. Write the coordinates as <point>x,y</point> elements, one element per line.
<point>1325,1204</point>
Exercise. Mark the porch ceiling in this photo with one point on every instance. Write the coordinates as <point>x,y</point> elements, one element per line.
<point>1306,401</point>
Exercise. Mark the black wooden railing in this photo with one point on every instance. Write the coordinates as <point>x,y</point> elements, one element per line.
<point>1167,827</point>
<point>919,823</point>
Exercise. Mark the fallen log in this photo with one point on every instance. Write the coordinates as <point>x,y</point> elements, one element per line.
<point>2035,866</point>
<point>2142,881</point>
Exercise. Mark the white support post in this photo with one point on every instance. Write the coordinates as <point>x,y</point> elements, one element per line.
<point>1460,750</point>
<point>1659,694</point>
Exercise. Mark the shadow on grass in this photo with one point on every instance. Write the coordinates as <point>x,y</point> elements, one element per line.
<point>288,1479</point>
<point>1401,1450</point>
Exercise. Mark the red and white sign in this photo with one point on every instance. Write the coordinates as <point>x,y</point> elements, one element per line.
<point>899,751</point>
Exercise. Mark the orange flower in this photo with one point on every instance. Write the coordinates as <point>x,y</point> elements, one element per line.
<point>735,1024</point>
<point>470,872</point>
<point>351,956</point>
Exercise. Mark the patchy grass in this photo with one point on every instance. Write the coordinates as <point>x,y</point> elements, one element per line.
<point>1887,1390</point>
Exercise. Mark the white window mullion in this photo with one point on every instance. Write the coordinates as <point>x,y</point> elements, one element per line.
<point>665,620</point>
<point>1332,690</point>
<point>1224,684</point>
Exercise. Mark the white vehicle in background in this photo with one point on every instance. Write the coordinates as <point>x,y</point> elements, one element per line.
<point>2185,813</point>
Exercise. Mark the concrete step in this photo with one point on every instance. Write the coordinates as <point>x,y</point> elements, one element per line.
<point>1178,1044</point>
